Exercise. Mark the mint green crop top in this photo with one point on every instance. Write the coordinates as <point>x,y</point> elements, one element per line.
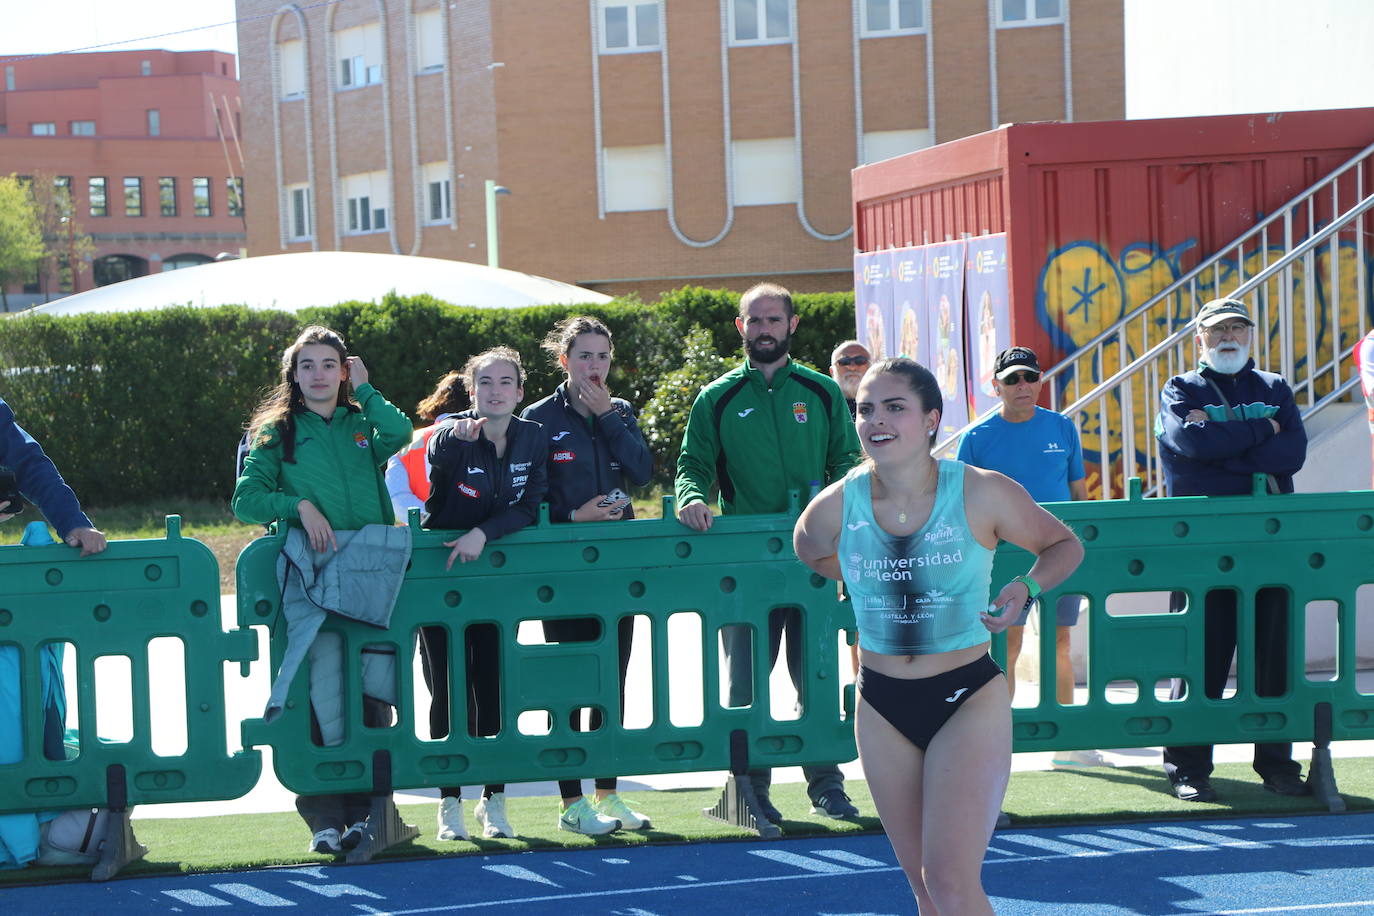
<point>920,594</point>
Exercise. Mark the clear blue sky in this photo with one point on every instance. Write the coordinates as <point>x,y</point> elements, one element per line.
<point>1183,57</point>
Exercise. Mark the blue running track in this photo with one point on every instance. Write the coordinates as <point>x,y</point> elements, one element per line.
<point>1322,865</point>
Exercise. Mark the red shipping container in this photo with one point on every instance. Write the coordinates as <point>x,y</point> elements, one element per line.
<point>1102,215</point>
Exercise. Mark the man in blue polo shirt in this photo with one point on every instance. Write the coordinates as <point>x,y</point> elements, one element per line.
<point>1039,449</point>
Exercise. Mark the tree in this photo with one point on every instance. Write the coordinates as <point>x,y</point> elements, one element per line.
<point>21,241</point>
<point>67,246</point>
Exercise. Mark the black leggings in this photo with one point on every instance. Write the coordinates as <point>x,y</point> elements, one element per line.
<point>585,629</point>
<point>919,707</point>
<point>482,653</point>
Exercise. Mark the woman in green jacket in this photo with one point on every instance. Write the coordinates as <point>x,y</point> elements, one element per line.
<point>319,442</point>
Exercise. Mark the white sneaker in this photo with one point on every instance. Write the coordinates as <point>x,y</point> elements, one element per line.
<point>451,819</point>
<point>1077,760</point>
<point>326,841</point>
<point>491,814</point>
<point>614,806</point>
<point>584,819</point>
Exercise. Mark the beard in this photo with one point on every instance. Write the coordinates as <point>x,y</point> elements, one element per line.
<point>1227,358</point>
<point>765,349</point>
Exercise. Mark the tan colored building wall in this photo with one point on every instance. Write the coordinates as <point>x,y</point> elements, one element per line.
<point>524,91</point>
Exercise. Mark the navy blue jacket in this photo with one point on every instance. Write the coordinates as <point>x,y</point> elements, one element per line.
<point>1218,457</point>
<point>38,478</point>
<point>587,460</point>
<point>472,488</point>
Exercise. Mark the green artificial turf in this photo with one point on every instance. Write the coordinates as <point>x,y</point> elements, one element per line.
<point>1133,793</point>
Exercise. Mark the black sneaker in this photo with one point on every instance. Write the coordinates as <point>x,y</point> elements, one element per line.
<point>1287,784</point>
<point>834,803</point>
<point>353,835</point>
<point>766,806</point>
<point>1194,789</point>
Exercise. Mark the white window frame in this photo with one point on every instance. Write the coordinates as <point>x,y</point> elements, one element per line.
<point>631,8</point>
<point>892,28</point>
<point>436,179</point>
<point>42,128</point>
<point>78,128</point>
<point>291,55</point>
<point>761,15</point>
<point>154,122</point>
<point>429,38</point>
<point>301,210</point>
<point>357,70</point>
<point>1031,19</point>
<point>362,193</point>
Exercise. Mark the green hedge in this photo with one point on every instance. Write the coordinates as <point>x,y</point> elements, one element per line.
<point>141,405</point>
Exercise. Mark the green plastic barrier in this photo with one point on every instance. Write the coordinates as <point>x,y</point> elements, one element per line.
<point>657,568</point>
<point>1318,547</point>
<point>113,605</point>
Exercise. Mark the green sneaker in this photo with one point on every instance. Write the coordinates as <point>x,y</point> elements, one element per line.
<point>582,818</point>
<point>614,806</point>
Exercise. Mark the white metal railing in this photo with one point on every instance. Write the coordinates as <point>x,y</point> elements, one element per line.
<point>1304,272</point>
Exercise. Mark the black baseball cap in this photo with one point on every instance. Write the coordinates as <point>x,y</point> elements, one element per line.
<point>1014,358</point>
<point>1218,310</point>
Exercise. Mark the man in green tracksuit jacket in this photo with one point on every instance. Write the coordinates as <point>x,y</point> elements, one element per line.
<point>760,431</point>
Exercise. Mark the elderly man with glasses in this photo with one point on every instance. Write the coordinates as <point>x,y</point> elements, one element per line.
<point>1218,426</point>
<point>848,364</point>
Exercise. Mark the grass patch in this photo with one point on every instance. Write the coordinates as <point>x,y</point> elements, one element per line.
<point>1124,794</point>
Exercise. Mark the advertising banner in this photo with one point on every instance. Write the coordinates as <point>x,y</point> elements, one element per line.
<point>873,302</point>
<point>910,316</point>
<point>945,312</point>
<point>988,319</point>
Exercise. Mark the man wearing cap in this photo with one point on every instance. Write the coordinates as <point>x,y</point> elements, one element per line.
<point>849,363</point>
<point>1040,450</point>
<point>1218,426</point>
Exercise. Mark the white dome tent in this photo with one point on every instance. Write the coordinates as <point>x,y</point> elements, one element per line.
<point>288,282</point>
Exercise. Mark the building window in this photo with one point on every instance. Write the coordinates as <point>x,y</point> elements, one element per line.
<point>145,67</point>
<point>893,17</point>
<point>292,56</point>
<point>884,144</point>
<point>233,189</point>
<point>360,55</point>
<point>200,196</point>
<point>62,183</point>
<point>759,21</point>
<point>133,196</point>
<point>636,178</point>
<point>628,26</point>
<point>43,128</point>
<point>154,122</point>
<point>167,196</point>
<point>81,128</point>
<point>366,202</point>
<point>438,193</point>
<point>300,211</point>
<point>95,189</point>
<point>1014,13</point>
<point>765,171</point>
<point>429,39</point>
<point>9,79</point>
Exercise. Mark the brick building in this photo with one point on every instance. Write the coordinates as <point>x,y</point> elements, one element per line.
<point>147,143</point>
<point>646,145</point>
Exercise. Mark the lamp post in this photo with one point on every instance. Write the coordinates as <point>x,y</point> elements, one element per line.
<point>493,231</point>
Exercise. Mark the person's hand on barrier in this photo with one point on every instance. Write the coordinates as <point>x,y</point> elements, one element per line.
<point>466,548</point>
<point>357,372</point>
<point>88,539</point>
<point>468,428</point>
<point>593,510</point>
<point>593,393</point>
<point>696,516</point>
<point>316,527</point>
<point>1275,423</point>
<point>6,516</point>
<point>1196,416</point>
<point>1006,607</point>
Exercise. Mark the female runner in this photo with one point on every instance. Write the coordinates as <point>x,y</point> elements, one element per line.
<point>596,452</point>
<point>913,539</point>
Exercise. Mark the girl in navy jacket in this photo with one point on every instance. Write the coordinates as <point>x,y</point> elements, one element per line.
<point>595,453</point>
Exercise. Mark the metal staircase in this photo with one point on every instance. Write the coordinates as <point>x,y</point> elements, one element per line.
<point>1303,271</point>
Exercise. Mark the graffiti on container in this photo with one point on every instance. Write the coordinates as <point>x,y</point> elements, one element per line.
<point>1083,289</point>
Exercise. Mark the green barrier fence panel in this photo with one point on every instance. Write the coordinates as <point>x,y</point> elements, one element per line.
<point>736,573</point>
<point>111,606</point>
<point>1315,547</point>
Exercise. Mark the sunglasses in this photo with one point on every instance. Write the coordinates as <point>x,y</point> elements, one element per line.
<point>852,361</point>
<point>1017,378</point>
